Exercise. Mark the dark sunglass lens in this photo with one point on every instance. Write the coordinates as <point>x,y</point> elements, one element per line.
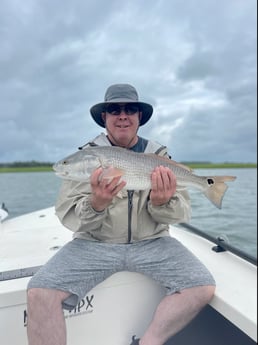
<point>113,109</point>
<point>131,109</point>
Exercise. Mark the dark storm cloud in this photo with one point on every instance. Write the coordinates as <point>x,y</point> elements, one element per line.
<point>195,62</point>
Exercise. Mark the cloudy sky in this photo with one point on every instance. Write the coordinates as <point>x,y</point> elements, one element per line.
<point>194,61</point>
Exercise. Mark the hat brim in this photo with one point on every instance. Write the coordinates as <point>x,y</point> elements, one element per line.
<point>97,109</point>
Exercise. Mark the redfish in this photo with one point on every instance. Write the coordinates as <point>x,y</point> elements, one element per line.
<point>136,169</point>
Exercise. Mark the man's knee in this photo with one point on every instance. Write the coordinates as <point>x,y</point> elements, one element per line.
<point>210,290</point>
<point>205,293</point>
<point>36,296</point>
<point>199,295</point>
<point>43,296</point>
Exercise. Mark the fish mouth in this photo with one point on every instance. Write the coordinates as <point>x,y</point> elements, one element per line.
<point>58,172</point>
<point>62,173</point>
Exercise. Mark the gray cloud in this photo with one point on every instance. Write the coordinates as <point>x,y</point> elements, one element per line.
<point>195,62</point>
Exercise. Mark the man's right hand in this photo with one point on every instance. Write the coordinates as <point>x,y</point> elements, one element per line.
<point>103,190</point>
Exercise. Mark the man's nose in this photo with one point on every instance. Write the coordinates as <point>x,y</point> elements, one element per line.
<point>123,114</point>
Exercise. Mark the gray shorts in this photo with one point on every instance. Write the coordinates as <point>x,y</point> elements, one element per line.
<point>80,265</point>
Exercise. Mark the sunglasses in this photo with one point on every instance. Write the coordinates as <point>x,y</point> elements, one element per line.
<point>116,109</point>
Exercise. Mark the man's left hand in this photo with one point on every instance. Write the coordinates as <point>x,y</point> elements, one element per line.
<point>163,186</point>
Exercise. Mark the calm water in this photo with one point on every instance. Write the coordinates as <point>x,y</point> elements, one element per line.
<point>237,220</point>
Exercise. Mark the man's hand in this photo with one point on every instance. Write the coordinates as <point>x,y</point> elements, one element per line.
<point>163,186</point>
<point>104,190</point>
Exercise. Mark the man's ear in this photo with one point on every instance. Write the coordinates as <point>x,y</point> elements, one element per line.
<point>103,115</point>
<point>140,116</point>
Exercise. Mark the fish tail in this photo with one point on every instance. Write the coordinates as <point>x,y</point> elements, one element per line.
<point>216,188</point>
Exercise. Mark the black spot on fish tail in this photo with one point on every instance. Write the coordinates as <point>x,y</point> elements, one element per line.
<point>210,181</point>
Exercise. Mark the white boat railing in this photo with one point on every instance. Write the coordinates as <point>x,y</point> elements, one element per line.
<point>221,244</point>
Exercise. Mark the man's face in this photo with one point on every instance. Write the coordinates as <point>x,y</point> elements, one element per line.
<point>122,123</point>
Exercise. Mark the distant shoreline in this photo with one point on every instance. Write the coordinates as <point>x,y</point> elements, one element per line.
<point>191,165</point>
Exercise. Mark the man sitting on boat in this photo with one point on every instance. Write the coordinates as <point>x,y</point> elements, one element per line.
<point>117,230</point>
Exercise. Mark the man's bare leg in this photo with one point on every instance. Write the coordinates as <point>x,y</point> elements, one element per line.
<point>46,323</point>
<point>174,312</point>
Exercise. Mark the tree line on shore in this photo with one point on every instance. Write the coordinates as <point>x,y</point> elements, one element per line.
<point>26,164</point>
<point>44,165</point>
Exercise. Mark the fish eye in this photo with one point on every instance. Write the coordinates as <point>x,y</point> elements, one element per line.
<point>64,162</point>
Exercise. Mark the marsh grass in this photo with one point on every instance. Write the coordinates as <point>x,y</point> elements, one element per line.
<point>192,165</point>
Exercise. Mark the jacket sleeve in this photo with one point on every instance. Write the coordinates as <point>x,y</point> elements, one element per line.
<point>73,207</point>
<point>177,210</point>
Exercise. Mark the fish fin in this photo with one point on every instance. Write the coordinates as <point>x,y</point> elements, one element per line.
<point>180,188</point>
<point>112,172</point>
<point>169,161</point>
<point>217,188</point>
<point>182,165</point>
<point>120,195</point>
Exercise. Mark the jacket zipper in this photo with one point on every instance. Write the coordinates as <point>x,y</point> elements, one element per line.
<point>130,211</point>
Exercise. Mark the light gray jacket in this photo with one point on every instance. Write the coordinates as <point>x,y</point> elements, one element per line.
<point>130,217</point>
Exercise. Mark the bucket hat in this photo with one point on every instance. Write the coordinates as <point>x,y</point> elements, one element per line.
<point>121,93</point>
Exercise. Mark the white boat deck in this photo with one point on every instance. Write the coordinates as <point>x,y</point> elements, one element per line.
<point>236,279</point>
<point>29,240</point>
